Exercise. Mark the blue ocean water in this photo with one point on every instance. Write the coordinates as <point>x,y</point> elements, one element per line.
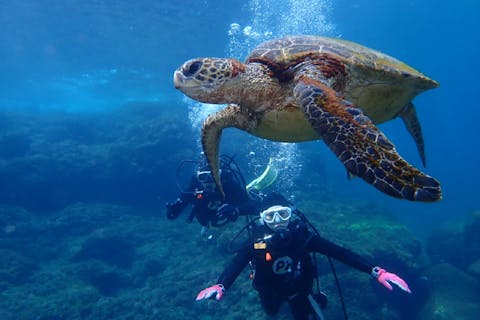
<point>97,55</point>
<point>76,75</point>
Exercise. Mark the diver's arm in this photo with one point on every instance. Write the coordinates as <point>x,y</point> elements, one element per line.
<point>385,278</point>
<point>328,248</point>
<point>175,208</point>
<point>234,268</point>
<point>188,196</point>
<point>227,278</point>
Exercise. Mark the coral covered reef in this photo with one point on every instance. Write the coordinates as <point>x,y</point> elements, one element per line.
<point>83,232</point>
<point>49,160</point>
<point>110,261</point>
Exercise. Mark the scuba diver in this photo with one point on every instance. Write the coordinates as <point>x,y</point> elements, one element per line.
<point>208,207</point>
<point>282,268</point>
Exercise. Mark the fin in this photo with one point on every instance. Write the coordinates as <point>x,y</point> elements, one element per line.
<point>231,116</point>
<point>360,145</point>
<point>409,117</point>
<point>266,179</point>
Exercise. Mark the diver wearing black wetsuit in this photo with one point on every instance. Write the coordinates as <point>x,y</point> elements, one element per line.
<point>209,208</point>
<point>282,267</point>
<point>287,272</point>
<point>205,199</point>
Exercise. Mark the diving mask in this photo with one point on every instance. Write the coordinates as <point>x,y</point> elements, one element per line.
<point>276,216</point>
<point>205,176</point>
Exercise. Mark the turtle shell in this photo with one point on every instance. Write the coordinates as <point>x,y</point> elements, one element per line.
<point>359,61</point>
<point>378,83</point>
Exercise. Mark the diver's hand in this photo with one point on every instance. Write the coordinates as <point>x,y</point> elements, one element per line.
<point>174,209</point>
<point>387,279</point>
<point>227,212</point>
<point>215,291</point>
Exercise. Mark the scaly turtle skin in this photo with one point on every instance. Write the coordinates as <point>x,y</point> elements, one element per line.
<point>303,88</point>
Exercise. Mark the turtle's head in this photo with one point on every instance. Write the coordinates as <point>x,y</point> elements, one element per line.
<point>207,79</point>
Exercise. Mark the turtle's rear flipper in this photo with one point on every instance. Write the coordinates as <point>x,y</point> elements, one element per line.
<point>409,117</point>
<point>358,143</point>
<point>231,116</point>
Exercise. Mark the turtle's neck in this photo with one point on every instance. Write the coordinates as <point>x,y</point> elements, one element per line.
<point>252,87</point>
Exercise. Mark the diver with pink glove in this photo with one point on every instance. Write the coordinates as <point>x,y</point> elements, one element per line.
<point>282,267</point>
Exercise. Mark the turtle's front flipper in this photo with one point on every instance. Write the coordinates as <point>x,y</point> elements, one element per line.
<point>231,116</point>
<point>410,119</point>
<point>364,150</point>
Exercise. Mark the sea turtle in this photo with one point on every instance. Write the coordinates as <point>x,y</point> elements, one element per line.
<point>301,88</point>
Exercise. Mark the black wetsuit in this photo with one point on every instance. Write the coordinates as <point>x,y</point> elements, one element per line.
<point>205,200</point>
<point>283,269</point>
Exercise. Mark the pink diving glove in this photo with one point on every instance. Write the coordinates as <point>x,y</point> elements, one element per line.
<point>215,291</point>
<point>386,278</point>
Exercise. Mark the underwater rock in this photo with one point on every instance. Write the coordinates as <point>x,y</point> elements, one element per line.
<point>474,268</point>
<point>151,267</point>
<point>15,268</point>
<point>454,294</point>
<point>82,219</point>
<point>53,159</point>
<point>106,280</point>
<point>114,251</point>
<point>457,243</point>
<point>14,221</point>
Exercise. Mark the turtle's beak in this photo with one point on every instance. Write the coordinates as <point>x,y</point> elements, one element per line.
<point>186,74</point>
<point>189,86</point>
<point>178,79</point>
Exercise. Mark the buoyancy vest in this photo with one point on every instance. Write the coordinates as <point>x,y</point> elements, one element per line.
<point>281,263</point>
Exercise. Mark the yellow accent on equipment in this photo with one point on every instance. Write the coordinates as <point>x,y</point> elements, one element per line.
<point>259,245</point>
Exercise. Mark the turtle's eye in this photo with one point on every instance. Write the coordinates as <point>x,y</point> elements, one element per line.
<point>192,69</point>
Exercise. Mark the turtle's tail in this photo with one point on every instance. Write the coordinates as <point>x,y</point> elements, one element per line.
<point>410,119</point>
